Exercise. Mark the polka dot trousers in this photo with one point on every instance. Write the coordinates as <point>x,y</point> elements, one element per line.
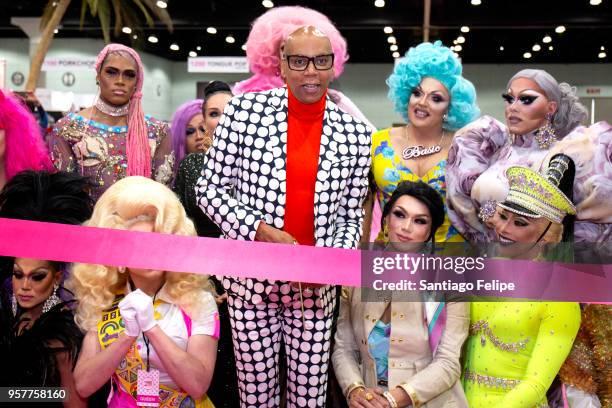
<point>257,331</point>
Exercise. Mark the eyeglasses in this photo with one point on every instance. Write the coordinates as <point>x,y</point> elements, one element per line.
<point>301,62</point>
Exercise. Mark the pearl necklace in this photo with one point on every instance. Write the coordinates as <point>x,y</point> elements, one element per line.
<point>111,110</point>
<point>414,152</point>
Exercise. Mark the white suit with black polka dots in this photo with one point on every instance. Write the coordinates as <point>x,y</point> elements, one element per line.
<point>243,182</point>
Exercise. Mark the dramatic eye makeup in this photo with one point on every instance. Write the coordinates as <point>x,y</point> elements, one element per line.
<point>524,98</point>
<point>36,276</point>
<point>114,72</point>
<point>434,96</point>
<point>399,213</point>
<point>518,221</point>
<point>191,130</point>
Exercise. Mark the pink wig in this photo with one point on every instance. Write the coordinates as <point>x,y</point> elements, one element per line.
<point>25,149</point>
<point>269,31</point>
<point>137,147</point>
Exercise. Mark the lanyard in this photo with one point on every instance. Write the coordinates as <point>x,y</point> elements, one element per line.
<point>144,337</point>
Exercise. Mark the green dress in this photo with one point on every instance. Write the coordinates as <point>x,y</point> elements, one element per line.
<point>515,350</point>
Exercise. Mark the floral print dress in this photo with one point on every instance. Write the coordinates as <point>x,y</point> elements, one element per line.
<point>389,170</point>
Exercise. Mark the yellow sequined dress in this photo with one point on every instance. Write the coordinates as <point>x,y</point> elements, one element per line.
<point>515,350</point>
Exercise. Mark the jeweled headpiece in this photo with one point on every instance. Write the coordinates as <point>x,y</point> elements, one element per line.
<point>538,195</point>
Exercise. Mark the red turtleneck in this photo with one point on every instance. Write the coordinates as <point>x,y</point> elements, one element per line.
<point>304,128</point>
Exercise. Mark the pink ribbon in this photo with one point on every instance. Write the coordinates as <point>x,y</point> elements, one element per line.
<point>242,259</point>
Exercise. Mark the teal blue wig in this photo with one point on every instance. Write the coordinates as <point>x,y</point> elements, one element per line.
<point>438,62</point>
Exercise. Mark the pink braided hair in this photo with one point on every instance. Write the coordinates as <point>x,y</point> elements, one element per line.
<point>137,148</point>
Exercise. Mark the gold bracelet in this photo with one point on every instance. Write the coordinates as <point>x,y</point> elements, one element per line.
<point>391,399</point>
<point>411,393</point>
<point>352,387</point>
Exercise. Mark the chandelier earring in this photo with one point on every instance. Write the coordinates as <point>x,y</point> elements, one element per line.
<point>546,135</point>
<point>14,305</point>
<point>51,300</point>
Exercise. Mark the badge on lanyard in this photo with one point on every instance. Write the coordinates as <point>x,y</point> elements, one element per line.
<point>147,392</point>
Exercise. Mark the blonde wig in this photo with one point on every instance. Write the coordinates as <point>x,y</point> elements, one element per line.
<point>125,202</point>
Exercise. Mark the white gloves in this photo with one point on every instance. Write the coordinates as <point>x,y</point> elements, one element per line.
<point>130,321</point>
<point>140,305</point>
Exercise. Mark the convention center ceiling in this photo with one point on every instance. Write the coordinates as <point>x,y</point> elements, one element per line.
<point>482,31</point>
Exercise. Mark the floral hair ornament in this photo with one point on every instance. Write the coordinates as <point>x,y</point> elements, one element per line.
<point>537,195</point>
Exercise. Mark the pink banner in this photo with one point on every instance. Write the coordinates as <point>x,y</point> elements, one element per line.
<point>70,243</point>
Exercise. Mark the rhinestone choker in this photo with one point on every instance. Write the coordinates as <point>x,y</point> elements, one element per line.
<point>111,110</point>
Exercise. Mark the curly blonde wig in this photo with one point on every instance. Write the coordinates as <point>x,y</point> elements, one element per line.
<point>129,200</point>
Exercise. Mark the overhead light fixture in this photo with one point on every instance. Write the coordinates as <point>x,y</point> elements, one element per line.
<point>391,39</point>
<point>379,3</point>
<point>460,39</point>
<point>161,4</point>
<point>602,48</point>
<point>388,30</point>
<point>454,41</point>
<point>393,47</point>
<point>476,2</point>
<point>452,48</point>
<point>560,29</point>
<point>230,39</point>
<point>501,47</point>
<point>56,31</point>
<point>457,55</point>
<point>458,48</point>
<point>546,39</point>
<point>174,47</point>
<point>211,30</point>
<point>199,48</point>
<point>527,55</point>
<point>243,47</point>
<point>267,4</point>
<point>602,55</point>
<point>193,54</point>
<point>135,37</point>
<point>536,47</point>
<point>595,2</point>
<point>396,54</point>
<point>152,39</point>
<point>465,29</point>
<point>550,48</point>
<point>127,30</point>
